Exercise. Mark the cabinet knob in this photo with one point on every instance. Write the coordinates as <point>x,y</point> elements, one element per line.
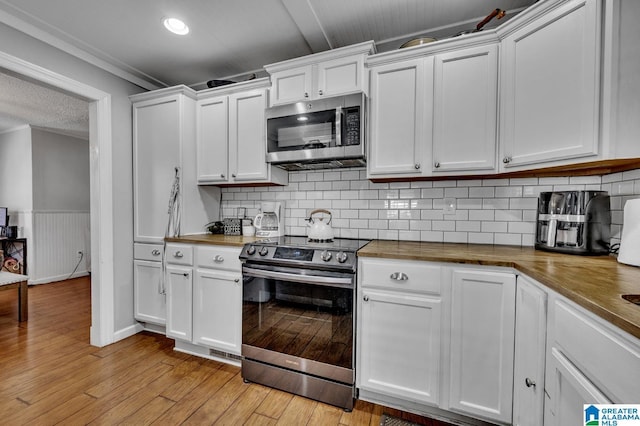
<point>186,274</point>
<point>237,280</point>
<point>320,92</point>
<point>218,259</point>
<point>222,175</point>
<point>178,254</point>
<point>306,95</point>
<point>529,382</point>
<point>417,166</point>
<point>506,160</point>
<point>365,298</point>
<point>155,252</point>
<point>233,175</point>
<point>436,165</point>
<point>399,276</point>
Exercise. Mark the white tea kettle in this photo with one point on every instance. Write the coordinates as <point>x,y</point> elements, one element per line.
<point>319,230</point>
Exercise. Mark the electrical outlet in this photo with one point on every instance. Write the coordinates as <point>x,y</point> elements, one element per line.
<point>449,206</point>
<point>80,254</point>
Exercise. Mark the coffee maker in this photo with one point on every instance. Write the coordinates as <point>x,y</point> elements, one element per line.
<point>574,222</point>
<point>270,221</point>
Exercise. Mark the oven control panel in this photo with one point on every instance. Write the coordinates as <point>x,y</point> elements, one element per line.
<point>309,257</point>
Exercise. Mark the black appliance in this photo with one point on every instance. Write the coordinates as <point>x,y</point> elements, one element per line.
<point>298,316</point>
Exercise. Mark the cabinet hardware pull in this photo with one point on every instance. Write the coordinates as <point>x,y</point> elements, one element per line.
<point>218,259</point>
<point>233,175</point>
<point>222,175</point>
<point>417,166</point>
<point>529,382</point>
<point>237,280</point>
<point>436,165</point>
<point>506,160</point>
<point>320,92</point>
<point>185,274</point>
<point>178,254</point>
<point>399,276</point>
<point>155,252</point>
<point>306,95</point>
<point>366,298</point>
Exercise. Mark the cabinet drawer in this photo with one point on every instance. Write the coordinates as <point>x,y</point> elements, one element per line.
<point>402,275</point>
<point>608,358</point>
<point>219,257</point>
<point>147,251</point>
<point>179,254</point>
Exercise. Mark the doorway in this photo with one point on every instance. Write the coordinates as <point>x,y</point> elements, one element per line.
<point>101,189</point>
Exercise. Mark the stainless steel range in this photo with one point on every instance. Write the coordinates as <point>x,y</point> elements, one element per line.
<point>298,316</point>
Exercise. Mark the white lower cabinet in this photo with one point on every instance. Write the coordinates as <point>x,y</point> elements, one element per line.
<point>179,288</point>
<point>149,301</point>
<point>482,339</point>
<point>400,345</point>
<point>529,362</point>
<point>217,310</point>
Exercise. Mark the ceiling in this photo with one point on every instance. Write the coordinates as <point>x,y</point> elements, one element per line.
<point>232,39</point>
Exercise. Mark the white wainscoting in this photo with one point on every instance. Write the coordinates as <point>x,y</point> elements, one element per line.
<point>56,239</point>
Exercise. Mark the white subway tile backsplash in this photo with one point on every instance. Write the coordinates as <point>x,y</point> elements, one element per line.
<point>488,211</point>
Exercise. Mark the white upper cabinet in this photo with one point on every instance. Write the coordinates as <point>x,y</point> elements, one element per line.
<point>332,73</point>
<point>400,118</point>
<point>465,110</point>
<point>230,138</point>
<point>550,74</point>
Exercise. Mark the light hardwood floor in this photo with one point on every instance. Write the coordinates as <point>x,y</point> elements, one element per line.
<point>49,374</point>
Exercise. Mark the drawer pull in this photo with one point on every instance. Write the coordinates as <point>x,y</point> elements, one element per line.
<point>218,259</point>
<point>178,254</point>
<point>529,382</point>
<point>365,298</point>
<point>185,274</point>
<point>399,276</point>
<point>155,252</point>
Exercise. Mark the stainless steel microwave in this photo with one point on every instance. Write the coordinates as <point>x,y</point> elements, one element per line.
<point>321,133</point>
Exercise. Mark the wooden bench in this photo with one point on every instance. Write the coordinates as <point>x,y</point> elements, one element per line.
<point>8,281</point>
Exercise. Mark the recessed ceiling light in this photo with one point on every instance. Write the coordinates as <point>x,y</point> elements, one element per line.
<point>176,26</point>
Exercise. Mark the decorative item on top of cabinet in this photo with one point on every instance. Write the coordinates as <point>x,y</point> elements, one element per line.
<point>331,73</point>
<point>231,139</point>
<point>550,74</point>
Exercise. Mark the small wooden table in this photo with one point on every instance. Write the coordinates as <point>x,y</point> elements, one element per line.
<point>8,281</point>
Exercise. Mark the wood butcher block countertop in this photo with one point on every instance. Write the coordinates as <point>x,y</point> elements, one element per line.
<point>593,282</point>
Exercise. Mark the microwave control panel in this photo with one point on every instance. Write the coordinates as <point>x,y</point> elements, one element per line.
<point>351,134</point>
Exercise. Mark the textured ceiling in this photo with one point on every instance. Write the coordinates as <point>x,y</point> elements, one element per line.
<point>23,102</point>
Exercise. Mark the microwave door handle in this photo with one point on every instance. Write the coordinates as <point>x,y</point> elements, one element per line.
<point>339,126</point>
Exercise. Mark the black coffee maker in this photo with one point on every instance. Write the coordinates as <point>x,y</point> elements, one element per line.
<point>574,222</point>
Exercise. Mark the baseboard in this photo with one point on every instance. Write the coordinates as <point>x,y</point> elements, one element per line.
<point>127,332</point>
<point>52,279</point>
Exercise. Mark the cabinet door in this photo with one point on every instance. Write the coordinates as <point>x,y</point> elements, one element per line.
<point>571,391</point>
<point>529,364</point>
<point>212,139</point>
<point>179,290</point>
<point>400,118</point>
<point>399,351</point>
<point>149,302</point>
<point>482,339</point>
<point>465,110</point>
<point>156,153</point>
<point>291,85</point>
<point>247,140</point>
<point>217,310</point>
<point>550,87</point>
<point>340,76</point>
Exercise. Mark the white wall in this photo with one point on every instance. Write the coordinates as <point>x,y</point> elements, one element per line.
<point>15,171</point>
<point>20,45</point>
<point>60,172</point>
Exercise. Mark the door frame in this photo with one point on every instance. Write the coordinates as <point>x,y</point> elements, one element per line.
<point>101,186</point>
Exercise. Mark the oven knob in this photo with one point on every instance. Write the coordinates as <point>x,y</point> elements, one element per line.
<point>325,255</point>
<point>263,251</point>
<point>342,257</point>
<point>251,250</point>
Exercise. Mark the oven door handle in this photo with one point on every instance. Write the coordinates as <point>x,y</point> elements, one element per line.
<point>307,279</point>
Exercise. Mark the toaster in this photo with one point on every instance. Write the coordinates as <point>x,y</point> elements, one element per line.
<point>574,222</point>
